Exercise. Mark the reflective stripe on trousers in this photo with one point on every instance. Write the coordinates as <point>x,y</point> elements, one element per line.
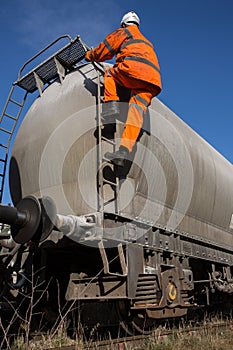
<point>141,96</point>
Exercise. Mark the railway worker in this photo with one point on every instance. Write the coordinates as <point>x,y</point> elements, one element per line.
<point>136,68</point>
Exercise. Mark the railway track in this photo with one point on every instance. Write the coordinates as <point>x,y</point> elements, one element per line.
<point>141,342</point>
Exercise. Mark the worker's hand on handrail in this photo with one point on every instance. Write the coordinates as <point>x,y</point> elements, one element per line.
<point>99,66</point>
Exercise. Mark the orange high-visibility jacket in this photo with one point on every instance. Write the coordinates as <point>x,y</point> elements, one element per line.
<point>135,54</point>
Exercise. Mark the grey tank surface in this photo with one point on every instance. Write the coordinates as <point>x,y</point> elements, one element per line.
<point>176,179</point>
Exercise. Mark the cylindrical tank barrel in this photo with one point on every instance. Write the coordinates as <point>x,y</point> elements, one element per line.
<point>175,181</point>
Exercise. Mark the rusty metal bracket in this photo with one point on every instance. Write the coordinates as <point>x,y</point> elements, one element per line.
<point>106,262</point>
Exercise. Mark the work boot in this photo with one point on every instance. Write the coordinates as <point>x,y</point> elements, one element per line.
<point>108,131</point>
<point>118,158</point>
<point>110,109</point>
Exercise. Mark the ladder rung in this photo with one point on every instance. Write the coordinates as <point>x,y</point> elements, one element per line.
<point>1,175</point>
<point>10,116</point>
<point>16,102</point>
<point>4,146</point>
<point>2,160</point>
<point>108,140</point>
<point>109,201</point>
<point>110,183</point>
<point>7,131</point>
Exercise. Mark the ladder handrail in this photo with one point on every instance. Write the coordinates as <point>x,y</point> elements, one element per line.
<point>99,148</point>
<point>6,104</point>
<point>10,131</point>
<point>97,65</point>
<point>43,50</point>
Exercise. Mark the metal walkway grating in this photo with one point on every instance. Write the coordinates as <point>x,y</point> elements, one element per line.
<point>47,71</point>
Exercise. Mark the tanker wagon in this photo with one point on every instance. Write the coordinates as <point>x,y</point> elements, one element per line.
<point>148,241</point>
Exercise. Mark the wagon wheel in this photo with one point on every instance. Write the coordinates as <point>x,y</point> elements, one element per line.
<point>134,322</point>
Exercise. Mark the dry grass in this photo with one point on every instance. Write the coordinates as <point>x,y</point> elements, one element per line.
<point>215,338</point>
<point>207,338</point>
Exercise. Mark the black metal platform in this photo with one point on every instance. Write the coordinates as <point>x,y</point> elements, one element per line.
<point>47,71</point>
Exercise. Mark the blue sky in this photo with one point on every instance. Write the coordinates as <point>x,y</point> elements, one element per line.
<point>193,40</point>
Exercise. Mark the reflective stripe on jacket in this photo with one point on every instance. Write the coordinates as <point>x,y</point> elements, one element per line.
<point>135,55</point>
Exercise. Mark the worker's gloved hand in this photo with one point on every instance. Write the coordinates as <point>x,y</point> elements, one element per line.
<point>87,56</point>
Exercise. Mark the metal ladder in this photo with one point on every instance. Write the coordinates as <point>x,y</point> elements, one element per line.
<point>102,161</point>
<point>55,67</point>
<point>8,122</point>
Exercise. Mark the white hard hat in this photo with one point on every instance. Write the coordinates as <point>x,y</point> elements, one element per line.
<point>130,18</point>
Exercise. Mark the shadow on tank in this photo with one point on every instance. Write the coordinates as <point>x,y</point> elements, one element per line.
<point>15,181</point>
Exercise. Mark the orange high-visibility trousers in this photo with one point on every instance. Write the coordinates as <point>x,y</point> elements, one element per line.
<point>142,93</point>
